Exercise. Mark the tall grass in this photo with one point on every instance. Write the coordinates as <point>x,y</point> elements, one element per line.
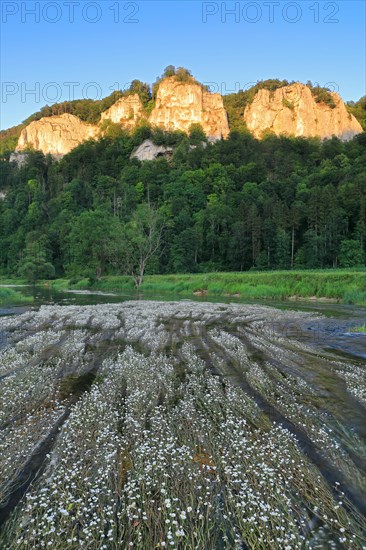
<point>361,328</point>
<point>10,296</point>
<point>345,286</point>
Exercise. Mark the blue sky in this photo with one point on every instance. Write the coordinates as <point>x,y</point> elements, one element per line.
<point>57,51</point>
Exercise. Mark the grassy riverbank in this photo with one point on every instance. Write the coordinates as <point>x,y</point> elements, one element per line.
<point>361,328</point>
<point>9,295</point>
<point>344,286</point>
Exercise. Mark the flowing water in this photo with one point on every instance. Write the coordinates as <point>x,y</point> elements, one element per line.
<point>333,330</point>
<point>300,364</point>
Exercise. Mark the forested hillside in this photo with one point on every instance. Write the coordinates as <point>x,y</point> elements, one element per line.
<point>232,205</point>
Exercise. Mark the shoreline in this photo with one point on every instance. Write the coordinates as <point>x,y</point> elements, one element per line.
<point>323,286</point>
<point>347,287</point>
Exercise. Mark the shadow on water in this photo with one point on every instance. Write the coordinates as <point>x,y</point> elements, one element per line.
<point>72,387</point>
<point>231,370</point>
<point>75,385</point>
<point>31,470</point>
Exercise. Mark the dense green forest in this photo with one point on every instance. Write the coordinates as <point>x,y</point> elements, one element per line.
<point>232,205</point>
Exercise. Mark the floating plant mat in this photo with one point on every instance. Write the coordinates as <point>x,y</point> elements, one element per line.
<point>177,424</point>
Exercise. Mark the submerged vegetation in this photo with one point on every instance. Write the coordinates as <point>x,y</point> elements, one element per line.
<point>202,426</point>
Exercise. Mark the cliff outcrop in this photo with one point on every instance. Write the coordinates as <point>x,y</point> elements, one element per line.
<point>127,111</point>
<point>180,104</point>
<point>293,110</point>
<point>57,135</point>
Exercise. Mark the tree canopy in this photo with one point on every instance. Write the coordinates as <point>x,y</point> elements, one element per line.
<point>236,204</point>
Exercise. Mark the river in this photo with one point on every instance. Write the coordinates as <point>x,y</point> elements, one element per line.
<point>298,364</point>
<point>332,331</point>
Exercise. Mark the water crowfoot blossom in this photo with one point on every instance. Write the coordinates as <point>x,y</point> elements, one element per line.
<point>169,444</point>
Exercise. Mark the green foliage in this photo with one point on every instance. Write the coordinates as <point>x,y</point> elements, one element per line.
<point>112,130</point>
<point>358,110</point>
<point>271,84</point>
<point>282,247</point>
<point>351,253</point>
<point>336,285</point>
<point>360,328</point>
<point>11,296</point>
<point>149,107</point>
<point>88,110</point>
<point>160,137</point>
<point>234,105</point>
<point>288,104</point>
<point>322,95</point>
<point>196,134</point>
<point>141,89</point>
<point>90,243</point>
<point>233,205</point>
<point>141,132</point>
<point>169,71</point>
<point>140,241</point>
<point>9,139</point>
<point>183,75</point>
<point>34,265</point>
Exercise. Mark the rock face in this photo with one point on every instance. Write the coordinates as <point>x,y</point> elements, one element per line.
<point>149,151</point>
<point>127,111</point>
<point>180,104</point>
<point>292,110</point>
<point>20,159</point>
<point>57,135</point>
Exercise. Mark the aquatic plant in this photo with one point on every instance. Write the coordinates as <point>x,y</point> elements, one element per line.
<point>204,427</point>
